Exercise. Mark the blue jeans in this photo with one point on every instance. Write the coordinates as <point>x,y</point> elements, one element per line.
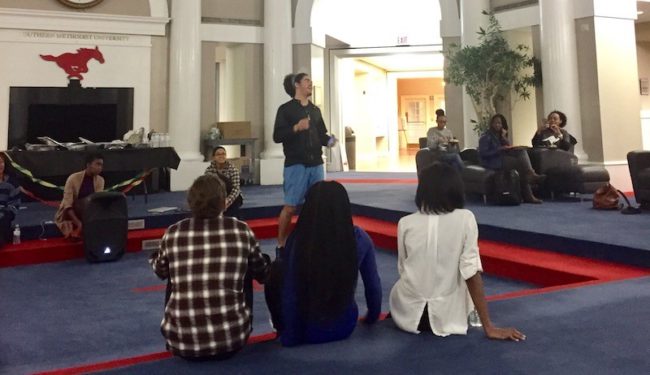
<point>453,159</point>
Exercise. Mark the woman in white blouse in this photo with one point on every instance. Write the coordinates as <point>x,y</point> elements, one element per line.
<point>438,262</point>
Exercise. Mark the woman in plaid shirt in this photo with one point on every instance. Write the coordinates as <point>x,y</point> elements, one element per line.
<point>206,259</point>
<point>229,174</point>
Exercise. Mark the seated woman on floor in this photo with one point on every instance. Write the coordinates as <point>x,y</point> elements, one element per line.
<point>438,262</point>
<point>310,292</point>
<point>551,133</point>
<point>229,174</point>
<point>496,153</point>
<point>78,187</point>
<point>206,259</point>
<point>9,202</point>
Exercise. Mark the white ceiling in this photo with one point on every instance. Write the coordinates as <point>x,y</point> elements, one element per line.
<point>433,61</point>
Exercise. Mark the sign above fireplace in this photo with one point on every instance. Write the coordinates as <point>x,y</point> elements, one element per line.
<point>76,63</point>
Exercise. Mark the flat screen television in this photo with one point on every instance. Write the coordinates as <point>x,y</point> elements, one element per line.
<point>66,123</point>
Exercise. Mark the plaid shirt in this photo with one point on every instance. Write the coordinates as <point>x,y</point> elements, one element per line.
<point>231,173</point>
<point>206,260</point>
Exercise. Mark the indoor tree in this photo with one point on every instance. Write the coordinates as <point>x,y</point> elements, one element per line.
<point>490,69</point>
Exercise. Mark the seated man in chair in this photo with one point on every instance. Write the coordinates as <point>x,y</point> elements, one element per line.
<point>78,187</point>
<point>441,141</point>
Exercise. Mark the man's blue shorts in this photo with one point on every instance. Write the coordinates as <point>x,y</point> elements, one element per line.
<point>297,180</point>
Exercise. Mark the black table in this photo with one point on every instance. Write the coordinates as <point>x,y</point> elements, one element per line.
<point>119,165</point>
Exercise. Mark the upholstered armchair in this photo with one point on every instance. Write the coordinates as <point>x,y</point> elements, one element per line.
<point>424,158</point>
<point>639,164</point>
<point>564,174</point>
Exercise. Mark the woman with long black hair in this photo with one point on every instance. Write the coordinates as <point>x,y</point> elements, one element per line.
<point>311,294</point>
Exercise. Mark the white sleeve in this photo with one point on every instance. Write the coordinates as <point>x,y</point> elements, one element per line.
<point>470,260</point>
<point>401,249</point>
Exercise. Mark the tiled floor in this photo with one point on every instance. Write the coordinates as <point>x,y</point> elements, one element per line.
<point>403,162</point>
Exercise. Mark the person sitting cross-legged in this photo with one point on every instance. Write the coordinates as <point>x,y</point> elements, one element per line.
<point>78,188</point>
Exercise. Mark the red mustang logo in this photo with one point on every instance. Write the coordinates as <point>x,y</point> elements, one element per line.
<point>76,63</point>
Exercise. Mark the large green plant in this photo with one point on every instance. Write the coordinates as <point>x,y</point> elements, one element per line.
<point>490,69</point>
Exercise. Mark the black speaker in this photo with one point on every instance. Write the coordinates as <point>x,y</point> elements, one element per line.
<point>105,226</point>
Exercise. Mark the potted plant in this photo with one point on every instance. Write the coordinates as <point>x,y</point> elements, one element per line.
<point>490,69</point>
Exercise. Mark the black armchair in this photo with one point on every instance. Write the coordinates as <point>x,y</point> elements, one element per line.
<point>639,164</point>
<point>424,158</point>
<point>564,174</point>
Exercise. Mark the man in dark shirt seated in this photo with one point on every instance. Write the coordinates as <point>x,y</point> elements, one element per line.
<point>78,187</point>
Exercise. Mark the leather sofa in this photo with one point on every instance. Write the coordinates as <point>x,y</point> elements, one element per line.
<point>639,164</point>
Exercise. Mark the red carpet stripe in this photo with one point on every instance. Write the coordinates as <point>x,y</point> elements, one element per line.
<point>124,362</point>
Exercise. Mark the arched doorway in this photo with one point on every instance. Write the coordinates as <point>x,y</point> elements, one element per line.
<point>364,71</point>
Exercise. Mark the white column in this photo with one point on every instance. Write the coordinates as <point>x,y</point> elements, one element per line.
<point>560,65</point>
<point>471,19</point>
<point>185,79</point>
<point>278,61</point>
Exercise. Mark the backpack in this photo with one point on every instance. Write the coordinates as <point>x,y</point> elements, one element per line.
<point>506,190</point>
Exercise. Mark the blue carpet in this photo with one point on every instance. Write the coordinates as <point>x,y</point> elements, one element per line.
<point>592,330</point>
<point>568,226</point>
<point>72,313</point>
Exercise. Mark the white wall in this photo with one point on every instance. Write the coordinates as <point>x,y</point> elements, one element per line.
<point>127,64</point>
<point>524,112</point>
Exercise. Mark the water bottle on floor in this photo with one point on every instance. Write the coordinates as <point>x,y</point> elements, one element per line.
<point>16,235</point>
<point>473,319</point>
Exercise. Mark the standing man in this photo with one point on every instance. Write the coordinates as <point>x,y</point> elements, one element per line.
<point>78,187</point>
<point>299,126</point>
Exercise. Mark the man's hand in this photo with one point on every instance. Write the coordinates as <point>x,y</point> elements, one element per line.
<point>303,124</point>
<point>509,333</point>
<point>332,141</point>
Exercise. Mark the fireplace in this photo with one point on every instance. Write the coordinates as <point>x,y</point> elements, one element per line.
<point>67,113</point>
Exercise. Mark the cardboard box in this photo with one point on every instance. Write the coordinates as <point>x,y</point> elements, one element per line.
<point>243,164</point>
<point>235,129</point>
